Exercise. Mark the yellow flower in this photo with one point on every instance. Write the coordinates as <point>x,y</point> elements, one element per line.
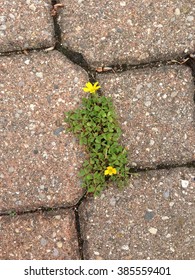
<point>91,88</point>
<point>110,171</point>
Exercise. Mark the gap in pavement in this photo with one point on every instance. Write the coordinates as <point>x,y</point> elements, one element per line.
<point>160,167</point>
<point>24,52</point>
<point>118,68</point>
<point>78,228</point>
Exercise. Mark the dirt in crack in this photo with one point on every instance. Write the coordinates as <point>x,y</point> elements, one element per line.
<point>161,166</point>
<point>78,228</point>
<point>190,62</point>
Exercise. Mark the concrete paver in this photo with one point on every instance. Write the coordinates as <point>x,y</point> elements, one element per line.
<point>133,32</point>
<point>39,163</point>
<point>25,24</point>
<point>156,113</point>
<point>152,218</point>
<point>39,236</point>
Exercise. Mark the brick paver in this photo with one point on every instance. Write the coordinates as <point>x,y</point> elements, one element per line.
<point>25,24</point>
<point>40,236</point>
<point>152,218</point>
<point>39,162</point>
<point>133,32</point>
<point>156,113</point>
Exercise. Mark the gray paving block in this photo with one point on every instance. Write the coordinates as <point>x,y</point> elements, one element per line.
<point>133,32</point>
<point>155,108</point>
<point>39,236</point>
<point>39,162</point>
<point>152,218</point>
<point>25,24</point>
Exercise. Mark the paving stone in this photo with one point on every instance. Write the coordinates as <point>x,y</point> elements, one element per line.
<point>121,231</point>
<point>110,32</point>
<point>156,113</point>
<point>39,166</point>
<point>39,236</point>
<point>25,24</point>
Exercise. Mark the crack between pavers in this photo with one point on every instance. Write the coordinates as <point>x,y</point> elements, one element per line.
<point>139,169</point>
<point>78,229</point>
<point>75,57</point>
<point>25,51</point>
<point>119,68</point>
<point>190,62</point>
<point>41,209</point>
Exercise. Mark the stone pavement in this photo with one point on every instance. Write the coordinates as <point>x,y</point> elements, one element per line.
<point>139,53</point>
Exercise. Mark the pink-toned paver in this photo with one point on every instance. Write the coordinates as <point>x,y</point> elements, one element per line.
<point>39,236</point>
<point>151,218</point>
<point>25,24</point>
<point>155,107</point>
<point>130,31</point>
<point>39,162</point>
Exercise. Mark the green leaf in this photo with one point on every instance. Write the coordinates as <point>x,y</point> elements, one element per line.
<point>82,172</point>
<point>89,177</point>
<point>86,163</point>
<point>97,108</point>
<point>98,139</point>
<point>91,189</point>
<point>102,114</point>
<point>97,147</point>
<point>83,141</point>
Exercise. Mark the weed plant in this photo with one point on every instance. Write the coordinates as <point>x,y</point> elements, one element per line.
<point>95,124</point>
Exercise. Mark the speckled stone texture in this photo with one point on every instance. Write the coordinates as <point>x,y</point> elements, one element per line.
<point>155,108</point>
<point>39,162</point>
<point>39,236</point>
<point>152,218</point>
<point>131,31</point>
<point>25,24</point>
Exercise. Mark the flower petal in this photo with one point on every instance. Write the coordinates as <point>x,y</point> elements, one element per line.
<point>86,89</point>
<point>88,84</point>
<point>96,84</point>
<point>114,171</point>
<point>106,172</point>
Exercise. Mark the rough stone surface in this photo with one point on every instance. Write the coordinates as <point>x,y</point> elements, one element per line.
<point>39,236</point>
<point>120,231</point>
<point>39,162</point>
<point>156,113</point>
<point>25,24</point>
<point>133,32</point>
<point>153,216</point>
